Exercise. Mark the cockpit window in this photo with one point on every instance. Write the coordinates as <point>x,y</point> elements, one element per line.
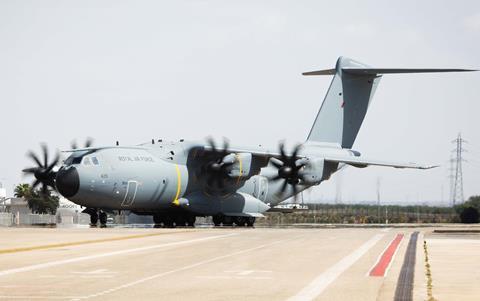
<point>86,161</point>
<point>95,160</point>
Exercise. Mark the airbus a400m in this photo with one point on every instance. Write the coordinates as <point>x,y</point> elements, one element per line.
<point>178,181</point>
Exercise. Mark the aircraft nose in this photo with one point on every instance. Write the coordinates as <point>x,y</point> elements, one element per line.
<point>68,181</point>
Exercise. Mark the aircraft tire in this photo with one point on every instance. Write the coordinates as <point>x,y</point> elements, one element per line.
<point>180,221</point>
<point>240,221</point>
<point>228,221</point>
<point>250,221</point>
<point>191,220</point>
<point>217,220</point>
<point>93,218</point>
<point>168,222</point>
<point>157,219</point>
<point>103,219</point>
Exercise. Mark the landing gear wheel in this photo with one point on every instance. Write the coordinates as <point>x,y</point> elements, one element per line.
<point>168,222</point>
<point>93,218</point>
<point>158,219</point>
<point>250,221</point>
<point>240,221</point>
<point>217,220</point>
<point>191,220</point>
<point>103,219</point>
<point>228,221</point>
<point>180,221</point>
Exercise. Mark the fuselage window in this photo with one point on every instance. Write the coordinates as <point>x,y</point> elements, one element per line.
<point>95,160</point>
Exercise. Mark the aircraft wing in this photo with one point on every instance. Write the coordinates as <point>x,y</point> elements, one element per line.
<point>362,162</point>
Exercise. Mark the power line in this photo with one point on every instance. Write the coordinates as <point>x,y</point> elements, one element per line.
<point>456,194</point>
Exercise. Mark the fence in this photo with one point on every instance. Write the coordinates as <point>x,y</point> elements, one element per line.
<point>10,219</point>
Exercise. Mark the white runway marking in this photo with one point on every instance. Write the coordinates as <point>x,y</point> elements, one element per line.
<point>96,256</point>
<point>188,267</point>
<point>319,284</point>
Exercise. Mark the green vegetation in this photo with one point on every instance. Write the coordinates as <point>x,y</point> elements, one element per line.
<point>363,214</point>
<point>469,211</point>
<point>38,202</point>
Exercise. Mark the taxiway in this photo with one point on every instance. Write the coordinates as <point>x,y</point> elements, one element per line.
<point>235,264</point>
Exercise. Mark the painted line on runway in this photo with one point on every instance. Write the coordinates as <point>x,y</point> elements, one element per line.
<point>380,268</point>
<point>322,281</point>
<point>188,267</point>
<point>84,242</point>
<point>114,253</point>
<point>36,297</point>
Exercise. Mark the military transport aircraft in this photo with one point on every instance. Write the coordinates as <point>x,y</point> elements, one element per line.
<point>178,181</point>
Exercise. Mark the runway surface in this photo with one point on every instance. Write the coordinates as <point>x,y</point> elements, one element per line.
<point>212,264</point>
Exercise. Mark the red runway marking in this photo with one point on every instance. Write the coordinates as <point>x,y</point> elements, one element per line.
<point>381,267</point>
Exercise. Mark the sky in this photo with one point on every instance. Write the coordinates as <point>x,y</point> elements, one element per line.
<point>135,70</point>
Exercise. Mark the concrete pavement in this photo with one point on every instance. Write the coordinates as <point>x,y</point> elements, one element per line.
<point>205,264</point>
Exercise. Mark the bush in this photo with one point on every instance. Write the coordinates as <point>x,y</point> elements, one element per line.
<point>469,215</point>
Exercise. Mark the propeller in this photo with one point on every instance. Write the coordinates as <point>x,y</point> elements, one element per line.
<point>217,169</point>
<point>289,169</point>
<point>88,143</point>
<point>43,172</point>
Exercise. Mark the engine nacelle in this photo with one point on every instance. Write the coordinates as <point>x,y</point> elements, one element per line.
<point>242,166</point>
<point>314,171</point>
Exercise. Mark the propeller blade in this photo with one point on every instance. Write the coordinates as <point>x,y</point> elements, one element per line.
<point>35,183</point>
<point>89,142</point>
<point>30,170</point>
<point>212,144</point>
<point>282,151</point>
<point>293,158</point>
<point>73,144</point>
<point>45,155</point>
<point>34,158</point>
<point>277,163</point>
<point>276,178</point>
<point>284,186</point>
<point>44,189</point>
<point>55,161</point>
<point>226,145</point>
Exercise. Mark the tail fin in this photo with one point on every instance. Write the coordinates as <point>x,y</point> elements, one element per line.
<point>347,100</point>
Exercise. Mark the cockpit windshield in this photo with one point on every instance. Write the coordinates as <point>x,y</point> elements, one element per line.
<point>76,157</point>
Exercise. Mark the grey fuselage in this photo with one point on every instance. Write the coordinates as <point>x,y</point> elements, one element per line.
<point>156,177</point>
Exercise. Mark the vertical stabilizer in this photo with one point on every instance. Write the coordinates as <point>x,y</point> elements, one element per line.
<point>345,104</point>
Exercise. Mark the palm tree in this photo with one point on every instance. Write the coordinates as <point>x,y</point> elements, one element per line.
<point>23,191</point>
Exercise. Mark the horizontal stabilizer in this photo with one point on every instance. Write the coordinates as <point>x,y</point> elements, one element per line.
<point>374,71</point>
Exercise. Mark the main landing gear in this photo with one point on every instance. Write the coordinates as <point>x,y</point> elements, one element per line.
<point>240,221</point>
<point>169,220</point>
<point>95,216</point>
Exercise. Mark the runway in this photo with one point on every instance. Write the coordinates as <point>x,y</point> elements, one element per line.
<point>206,264</point>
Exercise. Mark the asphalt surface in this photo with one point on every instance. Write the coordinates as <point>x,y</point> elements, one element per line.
<point>404,290</point>
<point>205,264</point>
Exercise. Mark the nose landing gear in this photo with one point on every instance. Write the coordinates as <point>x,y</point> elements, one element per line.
<point>95,216</point>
